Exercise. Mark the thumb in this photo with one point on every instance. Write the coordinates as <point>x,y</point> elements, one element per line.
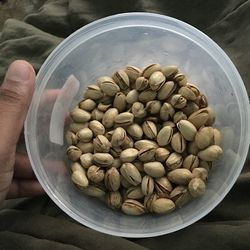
<point>15,97</point>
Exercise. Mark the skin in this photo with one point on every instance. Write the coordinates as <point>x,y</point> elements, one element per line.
<point>16,176</point>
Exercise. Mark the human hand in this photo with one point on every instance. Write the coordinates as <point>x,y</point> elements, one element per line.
<point>16,175</point>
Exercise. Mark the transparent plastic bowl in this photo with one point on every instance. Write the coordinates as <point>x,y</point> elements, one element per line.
<point>99,49</point>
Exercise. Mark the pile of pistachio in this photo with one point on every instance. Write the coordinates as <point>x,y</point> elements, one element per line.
<point>142,140</point>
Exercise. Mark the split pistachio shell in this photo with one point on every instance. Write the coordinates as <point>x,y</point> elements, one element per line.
<point>134,193</point>
<point>169,71</point>
<point>131,173</point>
<point>147,153</point>
<point>147,95</point>
<point>161,154</point>
<point>166,90</point>
<point>133,73</point>
<point>118,137</point>
<point>71,138</point>
<point>167,111</point>
<point>178,143</point>
<point>149,200</point>
<point>163,187</point>
<point>156,80</point>
<point>199,118</point>
<point>84,135</point>
<point>80,115</point>
<point>96,114</point>
<point>147,185</point>
<point>124,119</point>
<point>153,107</point>
<point>73,153</point>
<point>141,83</point>
<point>190,162</point>
<point>145,143</point>
<point>101,144</point>
<point>108,86</point>
<point>138,110</point>
<point>93,92</point>
<point>96,127</point>
<point>120,102</point>
<point>180,79</point>
<point>150,69</point>
<point>103,159</point>
<point>133,207</point>
<point>121,79</point>
<point>95,174</point>
<point>86,160</point>
<point>112,179</point>
<point>114,200</point>
<point>149,129</point>
<point>174,161</point>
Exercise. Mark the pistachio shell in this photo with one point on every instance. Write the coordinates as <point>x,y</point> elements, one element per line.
<point>141,83</point>
<point>134,193</point>
<point>114,200</point>
<point>150,69</point>
<point>154,169</point>
<point>108,119</point>
<point>174,161</point>
<point>80,115</point>
<point>120,102</point>
<point>149,129</point>
<point>178,101</point>
<point>101,144</point>
<point>86,160</point>
<point>196,187</point>
<point>145,143</point>
<point>73,153</point>
<point>93,92</point>
<point>133,207</point>
<point>85,147</point>
<point>96,127</point>
<point>84,135</point>
<point>87,104</point>
<point>118,137</point>
<point>128,155</point>
<point>79,178</point>
<point>169,71</point>
<point>166,90</point>
<point>124,119</point>
<point>178,143</point>
<point>161,154</point>
<point>138,110</point>
<point>180,79</point>
<point>187,129</point>
<point>163,206</point>
<point>146,154</point>
<point>112,179</point>
<point>130,173</point>
<point>133,73</point>
<point>201,173</point>
<point>164,136</point>
<point>135,131</point>
<point>103,159</point>
<point>147,95</point>
<point>132,96</point>
<point>190,162</point>
<point>95,174</point>
<point>180,176</point>
<point>71,138</point>
<point>121,78</point>
<point>211,153</point>
<point>147,185</point>
<point>156,80</point>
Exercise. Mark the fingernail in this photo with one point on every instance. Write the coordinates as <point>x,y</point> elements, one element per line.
<point>19,71</point>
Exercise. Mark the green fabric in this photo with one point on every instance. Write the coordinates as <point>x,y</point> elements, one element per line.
<point>38,223</point>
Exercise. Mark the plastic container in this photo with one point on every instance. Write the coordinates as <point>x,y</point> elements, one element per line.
<point>99,49</point>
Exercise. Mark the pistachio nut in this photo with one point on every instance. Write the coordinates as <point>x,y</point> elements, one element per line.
<point>108,86</point>
<point>153,119</point>
<point>204,137</point>
<point>190,108</point>
<point>128,155</point>
<point>171,124</point>
<point>147,95</point>
<point>121,78</point>
<point>71,138</point>
<point>188,92</point>
<point>93,92</point>
<point>156,80</point>
<point>128,143</point>
<point>178,101</point>
<point>93,191</point>
<point>115,151</point>
<point>79,178</point>
<point>180,79</point>
<point>169,71</point>
<point>141,83</point>
<point>144,143</point>
<point>85,147</point>
<point>211,153</point>
<point>199,118</point>
<point>201,173</point>
<point>96,127</point>
<point>149,129</point>
<point>211,116</point>
<point>133,73</point>
<point>87,105</point>
<point>116,163</point>
<point>109,134</point>
<point>132,96</point>
<point>163,206</point>
<point>84,135</point>
<point>180,176</point>
<point>103,159</point>
<point>180,196</point>
<point>153,107</point>
<point>166,111</point>
<point>95,174</point>
<point>112,179</point>
<point>130,173</point>
<point>201,101</point>
<point>125,183</point>
<point>76,166</point>
<point>178,116</point>
<point>80,115</point>
<point>150,69</point>
<point>190,162</point>
<point>146,154</point>
<point>114,200</point>
<point>108,119</point>
<point>149,200</point>
<point>124,119</point>
<point>196,187</point>
<point>74,153</point>
<point>161,154</point>
<point>133,207</point>
<point>138,110</point>
<point>103,107</point>
<point>135,131</point>
<point>178,143</point>
<point>120,102</point>
<point>154,169</point>
<point>134,192</point>
<point>166,90</point>
<point>164,136</point>
<point>86,160</point>
<point>101,144</point>
<point>118,137</point>
<point>174,161</point>
<point>163,187</point>
<point>192,148</point>
<point>106,100</point>
<point>147,185</point>
<point>74,126</point>
<point>187,129</point>
<point>96,114</point>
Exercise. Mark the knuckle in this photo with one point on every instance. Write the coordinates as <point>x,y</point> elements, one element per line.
<point>11,96</point>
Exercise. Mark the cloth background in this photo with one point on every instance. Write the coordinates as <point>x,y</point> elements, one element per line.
<point>33,30</point>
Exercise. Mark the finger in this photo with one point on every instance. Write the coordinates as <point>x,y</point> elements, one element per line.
<point>15,97</point>
<point>24,188</point>
<point>22,167</point>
